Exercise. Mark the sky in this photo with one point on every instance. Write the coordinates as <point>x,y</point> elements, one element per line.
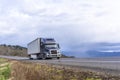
<point>73,23</point>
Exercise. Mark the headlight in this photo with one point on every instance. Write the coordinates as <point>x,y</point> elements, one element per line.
<point>58,51</point>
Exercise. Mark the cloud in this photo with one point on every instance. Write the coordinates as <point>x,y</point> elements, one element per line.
<point>71,23</point>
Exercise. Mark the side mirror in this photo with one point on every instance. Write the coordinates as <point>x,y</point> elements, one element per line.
<point>58,46</point>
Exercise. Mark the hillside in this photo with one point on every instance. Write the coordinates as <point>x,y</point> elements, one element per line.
<point>13,50</point>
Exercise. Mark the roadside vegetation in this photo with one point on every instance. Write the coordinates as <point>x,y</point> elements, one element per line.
<point>39,71</point>
<point>31,71</point>
<point>21,70</point>
<point>4,69</point>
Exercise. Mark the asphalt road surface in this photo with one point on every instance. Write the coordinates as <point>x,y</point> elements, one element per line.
<point>108,65</point>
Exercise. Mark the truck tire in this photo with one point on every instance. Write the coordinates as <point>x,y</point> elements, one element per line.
<point>43,56</point>
<point>39,56</point>
<point>58,57</point>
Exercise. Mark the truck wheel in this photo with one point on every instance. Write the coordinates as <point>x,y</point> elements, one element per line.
<point>58,57</point>
<point>43,56</point>
<point>39,56</point>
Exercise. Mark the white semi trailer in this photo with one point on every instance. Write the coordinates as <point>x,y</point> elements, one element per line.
<point>43,48</point>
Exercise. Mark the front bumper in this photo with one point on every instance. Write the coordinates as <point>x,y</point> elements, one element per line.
<point>53,55</point>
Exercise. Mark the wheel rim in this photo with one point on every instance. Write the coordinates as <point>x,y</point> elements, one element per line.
<point>44,56</point>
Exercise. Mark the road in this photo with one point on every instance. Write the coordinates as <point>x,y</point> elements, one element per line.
<point>108,65</point>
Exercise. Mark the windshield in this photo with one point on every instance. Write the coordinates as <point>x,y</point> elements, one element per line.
<point>51,46</point>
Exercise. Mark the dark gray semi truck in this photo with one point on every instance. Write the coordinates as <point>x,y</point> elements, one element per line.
<point>43,48</point>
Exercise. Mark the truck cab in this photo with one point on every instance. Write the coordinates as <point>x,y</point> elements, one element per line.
<point>50,48</point>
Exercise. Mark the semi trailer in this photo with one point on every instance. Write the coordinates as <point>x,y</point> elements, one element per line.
<point>43,48</point>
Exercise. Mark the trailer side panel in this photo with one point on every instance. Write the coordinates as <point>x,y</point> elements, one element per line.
<point>34,46</point>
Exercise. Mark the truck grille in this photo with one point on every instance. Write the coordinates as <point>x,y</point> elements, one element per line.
<point>54,52</point>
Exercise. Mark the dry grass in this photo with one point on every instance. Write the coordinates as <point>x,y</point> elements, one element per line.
<point>38,71</point>
<point>32,71</point>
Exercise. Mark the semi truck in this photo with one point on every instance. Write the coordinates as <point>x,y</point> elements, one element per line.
<point>43,48</point>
